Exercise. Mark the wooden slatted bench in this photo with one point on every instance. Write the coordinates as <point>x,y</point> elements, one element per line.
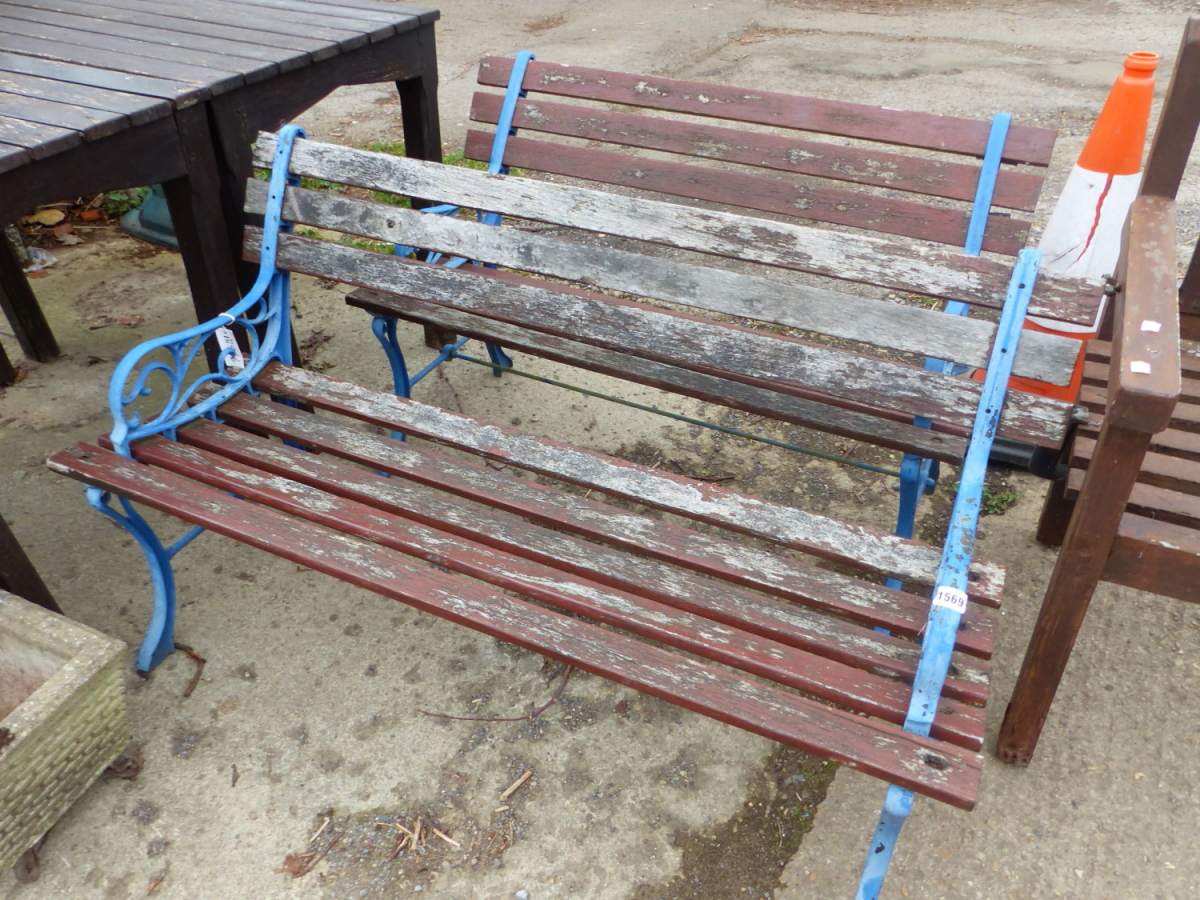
<point>775,644</point>
<point>1128,509</point>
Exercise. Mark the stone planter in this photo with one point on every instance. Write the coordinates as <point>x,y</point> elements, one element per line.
<point>62,717</point>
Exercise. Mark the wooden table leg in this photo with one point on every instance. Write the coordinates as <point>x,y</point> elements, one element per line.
<point>200,224</point>
<point>21,307</point>
<point>17,574</point>
<point>8,372</point>
<point>419,104</point>
<point>1089,538</point>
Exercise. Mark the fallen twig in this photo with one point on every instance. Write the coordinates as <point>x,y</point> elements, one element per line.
<point>200,661</point>
<point>445,837</point>
<point>532,715</point>
<point>512,788</point>
<point>155,881</point>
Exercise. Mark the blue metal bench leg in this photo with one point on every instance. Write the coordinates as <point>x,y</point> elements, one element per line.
<point>159,641</point>
<point>499,358</point>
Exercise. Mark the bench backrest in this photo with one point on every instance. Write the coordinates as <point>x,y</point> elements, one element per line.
<point>861,392</point>
<point>883,170</point>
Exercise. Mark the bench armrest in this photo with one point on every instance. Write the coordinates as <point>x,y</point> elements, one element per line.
<point>1145,379</point>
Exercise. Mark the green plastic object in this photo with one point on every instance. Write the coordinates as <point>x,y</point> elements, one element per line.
<point>152,220</point>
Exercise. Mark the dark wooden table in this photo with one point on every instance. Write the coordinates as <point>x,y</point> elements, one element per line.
<point>98,96</point>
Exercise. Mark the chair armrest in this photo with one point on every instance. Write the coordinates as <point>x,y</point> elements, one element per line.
<point>1144,381</point>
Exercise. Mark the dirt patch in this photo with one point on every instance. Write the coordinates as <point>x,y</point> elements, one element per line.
<point>745,856</point>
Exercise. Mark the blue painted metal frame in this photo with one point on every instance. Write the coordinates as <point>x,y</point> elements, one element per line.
<point>919,476</point>
<point>942,624</point>
<point>384,327</point>
<point>265,307</point>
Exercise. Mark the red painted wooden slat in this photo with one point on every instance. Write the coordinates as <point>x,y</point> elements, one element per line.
<point>860,601</point>
<point>829,680</point>
<point>762,193</point>
<point>929,767</point>
<point>1025,144</point>
<point>879,168</point>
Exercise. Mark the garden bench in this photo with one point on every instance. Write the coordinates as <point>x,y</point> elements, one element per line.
<point>1127,510</point>
<point>812,657</point>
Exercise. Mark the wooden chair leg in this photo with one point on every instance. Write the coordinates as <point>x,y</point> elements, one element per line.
<point>1056,514</point>
<point>1085,548</point>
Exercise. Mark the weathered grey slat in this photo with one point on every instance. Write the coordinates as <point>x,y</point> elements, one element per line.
<point>575,513</point>
<point>910,329</point>
<point>901,265</point>
<point>907,560</point>
<point>875,430</point>
<point>727,351</point>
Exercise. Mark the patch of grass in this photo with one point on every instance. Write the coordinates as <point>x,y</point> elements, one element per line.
<point>363,244</point>
<point>998,500</point>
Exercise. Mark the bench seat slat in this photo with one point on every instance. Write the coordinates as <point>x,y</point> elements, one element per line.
<point>896,264</point>
<point>1025,144</point>
<point>934,769</point>
<point>916,330</point>
<point>1160,470</point>
<point>1151,502</point>
<point>1185,417</point>
<point>1172,442</point>
<point>727,351</point>
<point>1159,557</point>
<point>870,166</point>
<point>907,560</point>
<point>869,604</point>
<point>625,610</point>
<point>761,193</point>
<point>876,430</point>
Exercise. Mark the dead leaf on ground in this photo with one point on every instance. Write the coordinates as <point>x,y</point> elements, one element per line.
<point>70,239</point>
<point>40,273</point>
<point>131,321</point>
<point>48,217</point>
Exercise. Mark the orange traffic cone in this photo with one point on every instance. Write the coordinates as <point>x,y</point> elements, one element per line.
<point>1083,236</point>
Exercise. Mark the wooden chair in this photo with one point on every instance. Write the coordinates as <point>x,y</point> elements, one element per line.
<point>1128,511</point>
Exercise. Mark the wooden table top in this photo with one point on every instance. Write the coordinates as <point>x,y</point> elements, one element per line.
<point>76,70</point>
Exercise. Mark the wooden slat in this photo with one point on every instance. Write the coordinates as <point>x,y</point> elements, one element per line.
<point>196,48</point>
<point>1159,557</point>
<point>895,326</point>
<point>1172,442</point>
<point>262,37</point>
<point>12,156</point>
<point>214,80</point>
<point>1096,373</point>
<point>878,168</point>
<point>40,140</point>
<point>950,134</point>
<point>1151,502</point>
<point>138,109</point>
<point>1169,472</point>
<point>935,769</point>
<point>1185,416</point>
<point>875,430</point>
<point>896,264</point>
<point>727,351</point>
<point>296,24</point>
<point>377,26</point>
<point>91,123</point>
<point>779,576</point>
<point>907,560</point>
<point>138,53</point>
<point>335,502</point>
<point>761,193</point>
<point>183,93</point>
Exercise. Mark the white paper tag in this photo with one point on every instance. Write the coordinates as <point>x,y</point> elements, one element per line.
<point>1151,325</point>
<point>235,362</point>
<point>1138,367</point>
<point>951,598</point>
